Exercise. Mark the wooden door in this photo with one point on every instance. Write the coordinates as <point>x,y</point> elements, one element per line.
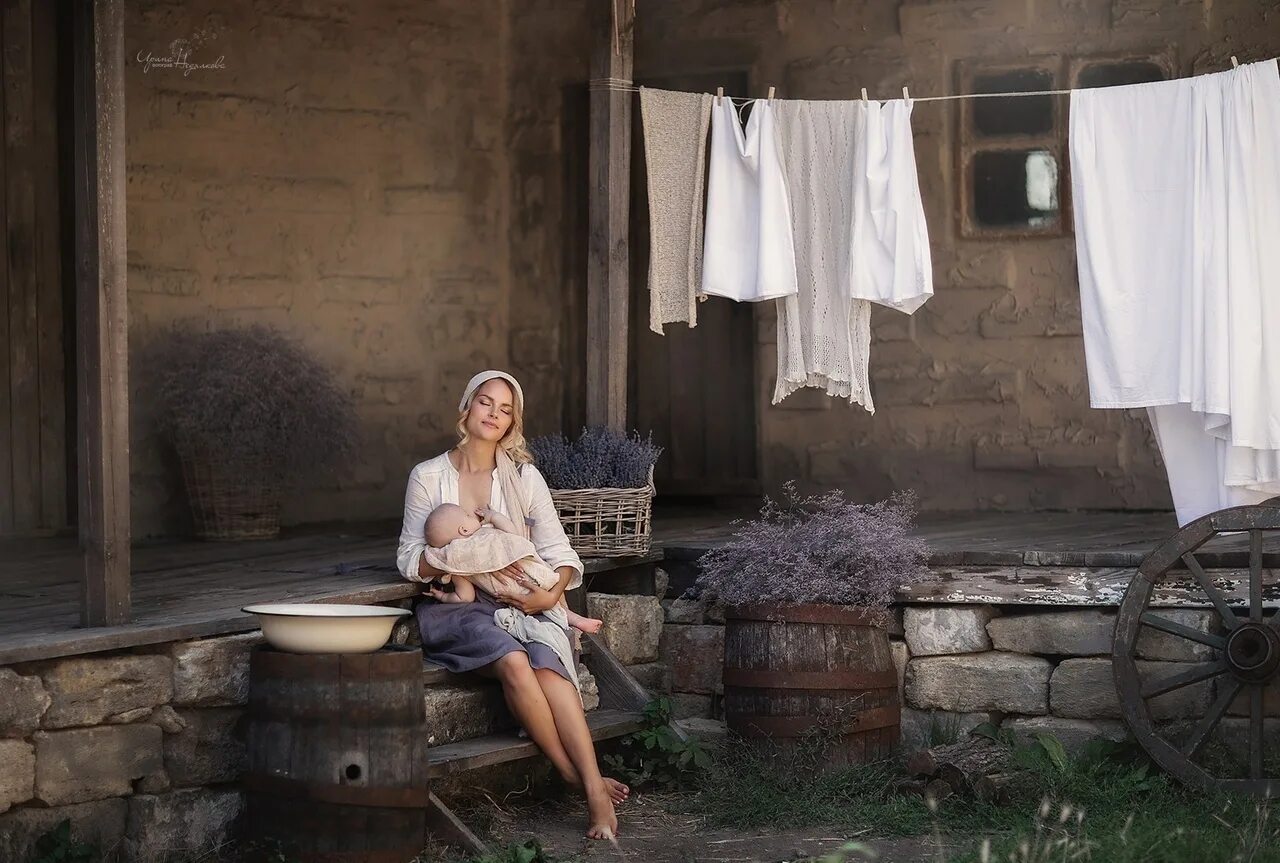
<point>694,388</point>
<point>33,390</point>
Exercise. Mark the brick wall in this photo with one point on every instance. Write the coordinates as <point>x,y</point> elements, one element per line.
<point>982,400</point>
<point>380,180</point>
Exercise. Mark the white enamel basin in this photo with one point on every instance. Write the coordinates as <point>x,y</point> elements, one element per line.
<point>299,627</point>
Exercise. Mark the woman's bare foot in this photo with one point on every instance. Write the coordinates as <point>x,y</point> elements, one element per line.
<point>618,792</point>
<point>585,624</point>
<point>602,821</point>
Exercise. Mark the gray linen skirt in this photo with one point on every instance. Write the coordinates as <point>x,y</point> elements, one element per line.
<point>463,637</point>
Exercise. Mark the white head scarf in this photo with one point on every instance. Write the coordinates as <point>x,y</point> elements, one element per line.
<point>479,380</point>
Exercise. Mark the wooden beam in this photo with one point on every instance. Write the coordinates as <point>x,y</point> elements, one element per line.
<point>102,363</point>
<point>608,283</point>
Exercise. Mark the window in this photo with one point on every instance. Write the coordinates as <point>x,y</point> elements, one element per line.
<point>1013,149</point>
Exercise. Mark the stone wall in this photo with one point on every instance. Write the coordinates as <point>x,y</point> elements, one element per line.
<point>382,181</point>
<point>982,396</point>
<point>141,750</point>
<point>1030,671</point>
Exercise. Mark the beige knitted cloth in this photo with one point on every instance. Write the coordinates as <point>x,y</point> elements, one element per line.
<point>675,150</point>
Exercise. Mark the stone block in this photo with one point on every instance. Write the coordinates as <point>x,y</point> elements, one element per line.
<point>463,712</point>
<point>212,672</point>
<point>695,655</point>
<point>17,773</point>
<point>935,631</point>
<point>179,823</point>
<point>99,823</point>
<point>705,730</point>
<point>208,749</point>
<point>924,728</point>
<point>94,763</point>
<point>901,656</point>
<point>632,624</point>
<point>1081,632</point>
<point>1156,645</point>
<point>23,700</point>
<point>682,610</point>
<point>685,705</point>
<point>661,581</point>
<point>970,683</point>
<point>1073,734</point>
<point>92,690</point>
<point>1086,689</point>
<point>590,689</point>
<point>653,676</point>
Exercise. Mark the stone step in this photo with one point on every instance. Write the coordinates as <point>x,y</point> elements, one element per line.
<point>500,748</point>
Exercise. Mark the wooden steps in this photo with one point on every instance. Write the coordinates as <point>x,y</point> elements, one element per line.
<point>453,758</point>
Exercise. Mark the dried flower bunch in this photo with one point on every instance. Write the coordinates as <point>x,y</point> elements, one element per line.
<point>599,458</point>
<point>249,398</point>
<point>818,549</point>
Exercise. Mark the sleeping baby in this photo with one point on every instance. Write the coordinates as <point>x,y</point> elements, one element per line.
<point>471,547</point>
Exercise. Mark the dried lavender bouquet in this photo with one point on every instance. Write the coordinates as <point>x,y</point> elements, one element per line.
<point>599,458</point>
<point>820,549</point>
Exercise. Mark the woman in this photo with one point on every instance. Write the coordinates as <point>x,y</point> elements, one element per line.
<point>491,466</point>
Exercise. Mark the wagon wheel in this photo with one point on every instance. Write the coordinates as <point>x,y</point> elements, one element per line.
<point>1245,659</point>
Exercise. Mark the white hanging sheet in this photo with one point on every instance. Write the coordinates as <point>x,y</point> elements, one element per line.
<point>748,254</point>
<point>1176,191</point>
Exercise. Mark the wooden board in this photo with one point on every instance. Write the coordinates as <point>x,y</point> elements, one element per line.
<point>493,749</point>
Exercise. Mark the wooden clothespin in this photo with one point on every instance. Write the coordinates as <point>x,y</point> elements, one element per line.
<point>719,94</point>
<point>864,94</point>
<point>906,97</point>
<point>770,96</point>
<point>1235,64</point>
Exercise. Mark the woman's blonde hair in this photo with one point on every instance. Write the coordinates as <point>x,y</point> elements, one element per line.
<point>513,441</point>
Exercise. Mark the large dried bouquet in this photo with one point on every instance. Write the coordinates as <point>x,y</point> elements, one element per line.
<point>820,549</point>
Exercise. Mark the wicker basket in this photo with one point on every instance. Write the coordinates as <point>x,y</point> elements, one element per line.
<point>607,522</point>
<point>232,502</point>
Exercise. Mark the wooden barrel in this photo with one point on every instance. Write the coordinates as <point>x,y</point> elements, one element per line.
<point>817,673</point>
<point>337,772</point>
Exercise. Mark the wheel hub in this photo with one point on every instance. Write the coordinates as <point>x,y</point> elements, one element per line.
<point>1253,652</point>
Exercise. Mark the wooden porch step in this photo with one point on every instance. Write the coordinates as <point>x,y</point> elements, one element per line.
<point>452,758</point>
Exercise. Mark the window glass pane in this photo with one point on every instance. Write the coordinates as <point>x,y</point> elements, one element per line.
<point>1018,115</point>
<point>1115,74</point>
<point>1015,188</point>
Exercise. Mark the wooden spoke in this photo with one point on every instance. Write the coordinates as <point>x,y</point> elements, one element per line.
<point>1211,719</point>
<point>1186,678</point>
<point>1163,624</point>
<point>1255,575</point>
<point>1255,732</point>
<point>1215,595</point>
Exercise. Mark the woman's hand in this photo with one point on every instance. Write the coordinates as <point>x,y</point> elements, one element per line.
<point>536,600</point>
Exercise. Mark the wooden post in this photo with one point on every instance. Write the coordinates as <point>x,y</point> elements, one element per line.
<point>102,365</point>
<point>608,285</point>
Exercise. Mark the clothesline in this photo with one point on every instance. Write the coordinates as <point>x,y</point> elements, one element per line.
<point>625,86</point>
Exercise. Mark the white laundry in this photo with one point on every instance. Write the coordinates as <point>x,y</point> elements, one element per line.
<point>747,246</point>
<point>1178,279</point>
<point>891,262</point>
<point>1199,464</point>
<point>860,237</point>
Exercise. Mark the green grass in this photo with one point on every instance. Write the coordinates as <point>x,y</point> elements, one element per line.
<point>1117,811</point>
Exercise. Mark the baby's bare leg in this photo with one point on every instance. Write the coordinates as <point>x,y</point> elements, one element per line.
<point>463,591</point>
<point>577,621</point>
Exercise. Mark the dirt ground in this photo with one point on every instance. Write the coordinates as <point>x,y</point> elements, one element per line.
<point>652,832</point>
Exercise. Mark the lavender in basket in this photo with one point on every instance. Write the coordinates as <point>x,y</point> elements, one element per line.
<point>818,549</point>
<point>599,458</point>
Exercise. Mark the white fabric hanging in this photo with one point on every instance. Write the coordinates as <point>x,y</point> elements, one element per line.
<point>747,252</point>
<point>1176,194</point>
<point>891,262</point>
<point>860,237</point>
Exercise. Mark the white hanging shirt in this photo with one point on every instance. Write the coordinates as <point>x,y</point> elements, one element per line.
<point>1177,209</point>
<point>747,247</point>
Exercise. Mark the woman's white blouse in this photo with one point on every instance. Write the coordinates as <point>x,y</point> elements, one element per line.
<point>435,481</point>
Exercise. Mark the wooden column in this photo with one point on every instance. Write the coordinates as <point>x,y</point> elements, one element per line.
<point>102,364</point>
<point>608,285</point>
